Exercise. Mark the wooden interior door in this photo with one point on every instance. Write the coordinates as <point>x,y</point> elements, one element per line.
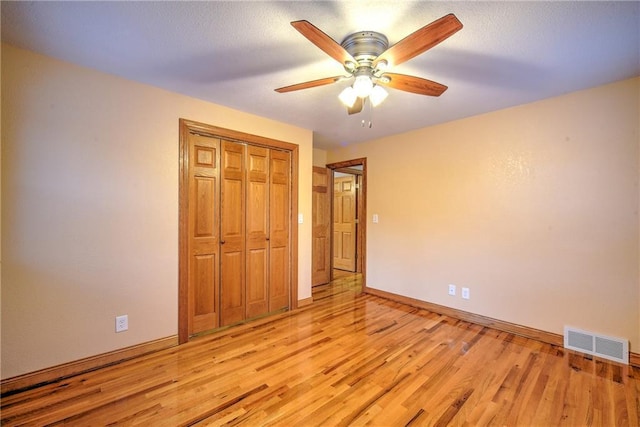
<point>203,228</point>
<point>321,228</point>
<point>359,223</point>
<point>344,223</point>
<point>257,231</point>
<point>279,226</point>
<point>232,233</point>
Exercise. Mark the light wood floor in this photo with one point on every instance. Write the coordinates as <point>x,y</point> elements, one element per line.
<point>348,359</point>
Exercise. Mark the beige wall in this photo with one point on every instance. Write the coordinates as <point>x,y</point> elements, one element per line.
<point>90,208</point>
<point>534,208</point>
<point>319,157</point>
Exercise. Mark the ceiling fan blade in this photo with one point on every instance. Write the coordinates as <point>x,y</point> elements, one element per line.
<point>421,40</point>
<point>412,84</point>
<point>309,84</point>
<point>357,106</point>
<point>323,41</point>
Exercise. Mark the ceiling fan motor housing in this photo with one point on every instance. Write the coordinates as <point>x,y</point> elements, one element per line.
<point>365,47</point>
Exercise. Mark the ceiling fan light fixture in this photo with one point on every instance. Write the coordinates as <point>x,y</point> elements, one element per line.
<point>382,65</point>
<point>378,94</point>
<point>348,96</point>
<point>363,86</point>
<point>350,66</point>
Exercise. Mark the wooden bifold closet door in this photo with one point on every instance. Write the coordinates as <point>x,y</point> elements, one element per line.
<point>203,230</point>
<point>239,228</point>
<point>257,231</point>
<point>267,212</point>
<point>255,225</point>
<point>279,226</point>
<point>232,233</point>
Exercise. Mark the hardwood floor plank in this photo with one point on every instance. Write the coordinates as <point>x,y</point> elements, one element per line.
<point>229,403</point>
<point>347,359</point>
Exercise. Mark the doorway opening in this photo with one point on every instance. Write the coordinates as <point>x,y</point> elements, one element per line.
<point>339,236</point>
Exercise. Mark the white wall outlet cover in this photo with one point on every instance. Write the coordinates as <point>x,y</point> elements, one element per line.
<point>465,293</point>
<point>300,218</point>
<point>122,323</point>
<point>375,218</point>
<point>452,290</point>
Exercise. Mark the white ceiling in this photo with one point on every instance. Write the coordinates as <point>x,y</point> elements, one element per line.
<point>235,53</point>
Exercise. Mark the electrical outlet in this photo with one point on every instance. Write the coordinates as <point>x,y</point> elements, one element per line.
<point>452,290</point>
<point>465,293</point>
<point>122,323</point>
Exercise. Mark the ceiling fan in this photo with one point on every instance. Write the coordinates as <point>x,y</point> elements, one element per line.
<point>366,56</point>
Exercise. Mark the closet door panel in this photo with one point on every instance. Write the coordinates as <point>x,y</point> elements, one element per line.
<point>279,278</point>
<point>232,292</point>
<point>257,282</point>
<point>204,271</point>
<point>232,234</point>
<point>257,231</point>
<point>279,225</point>
<point>203,229</point>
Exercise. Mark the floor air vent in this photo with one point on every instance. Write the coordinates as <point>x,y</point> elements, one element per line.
<point>611,348</point>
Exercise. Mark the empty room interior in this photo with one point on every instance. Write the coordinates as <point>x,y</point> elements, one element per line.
<point>320,213</point>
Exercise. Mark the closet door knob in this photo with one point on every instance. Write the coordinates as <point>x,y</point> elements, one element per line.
<point>222,242</point>
<point>267,238</point>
